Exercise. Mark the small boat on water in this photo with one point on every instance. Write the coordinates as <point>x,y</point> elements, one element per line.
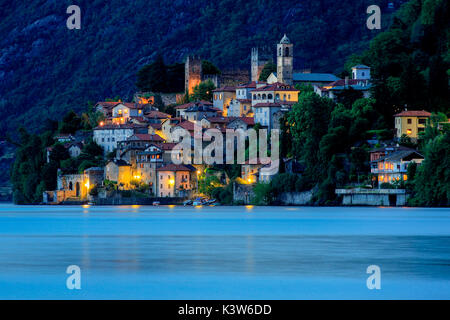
<point>156,203</point>
<point>187,203</point>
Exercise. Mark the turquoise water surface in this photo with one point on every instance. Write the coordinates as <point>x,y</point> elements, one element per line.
<point>144,252</point>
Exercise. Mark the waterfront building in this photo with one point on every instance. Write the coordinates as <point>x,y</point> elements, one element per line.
<point>393,167</point>
<point>175,180</point>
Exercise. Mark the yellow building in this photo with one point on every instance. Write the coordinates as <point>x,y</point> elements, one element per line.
<point>119,171</point>
<point>275,93</point>
<point>411,123</point>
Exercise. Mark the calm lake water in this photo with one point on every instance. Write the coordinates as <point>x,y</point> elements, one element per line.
<point>142,252</point>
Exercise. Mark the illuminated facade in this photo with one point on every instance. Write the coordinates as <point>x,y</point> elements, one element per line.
<point>411,123</point>
<point>393,166</point>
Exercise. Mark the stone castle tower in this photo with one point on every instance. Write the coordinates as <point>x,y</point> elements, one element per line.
<point>285,56</point>
<point>259,57</point>
<point>192,73</point>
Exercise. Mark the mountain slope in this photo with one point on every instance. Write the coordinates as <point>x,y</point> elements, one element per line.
<point>46,69</point>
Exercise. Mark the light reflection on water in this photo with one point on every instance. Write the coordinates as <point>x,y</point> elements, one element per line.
<point>246,243</point>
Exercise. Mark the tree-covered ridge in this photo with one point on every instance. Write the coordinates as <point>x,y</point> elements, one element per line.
<point>411,61</point>
<point>46,69</point>
<point>410,66</point>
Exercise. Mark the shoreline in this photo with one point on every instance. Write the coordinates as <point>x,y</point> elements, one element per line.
<point>211,206</point>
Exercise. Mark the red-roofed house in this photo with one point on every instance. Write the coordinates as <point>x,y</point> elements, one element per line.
<point>181,108</point>
<point>106,107</point>
<point>156,116</point>
<point>411,123</point>
<point>122,112</point>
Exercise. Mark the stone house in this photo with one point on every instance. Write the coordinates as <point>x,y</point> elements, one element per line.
<point>174,180</point>
<point>119,171</point>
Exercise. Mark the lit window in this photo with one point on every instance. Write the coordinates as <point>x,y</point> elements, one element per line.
<point>405,177</point>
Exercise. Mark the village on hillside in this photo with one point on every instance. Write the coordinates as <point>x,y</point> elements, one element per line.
<point>137,141</point>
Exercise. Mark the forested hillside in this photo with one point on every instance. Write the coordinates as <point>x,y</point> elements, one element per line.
<point>46,69</point>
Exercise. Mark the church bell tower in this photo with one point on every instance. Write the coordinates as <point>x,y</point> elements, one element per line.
<point>285,56</point>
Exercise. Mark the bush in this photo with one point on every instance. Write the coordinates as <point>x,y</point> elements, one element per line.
<point>94,191</point>
<point>262,194</point>
<point>387,185</point>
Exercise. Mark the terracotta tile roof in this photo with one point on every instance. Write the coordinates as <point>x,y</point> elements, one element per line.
<point>219,119</point>
<point>174,167</point>
<point>156,126</point>
<point>200,107</point>
<point>249,85</point>
<point>157,115</point>
<point>166,146</point>
<point>341,82</point>
<point>266,105</point>
<point>244,100</point>
<point>277,86</point>
<point>147,137</point>
<point>107,104</point>
<point>225,89</point>
<point>190,104</point>
<point>120,126</point>
<point>247,120</point>
<point>132,105</point>
<point>189,126</point>
<point>413,113</point>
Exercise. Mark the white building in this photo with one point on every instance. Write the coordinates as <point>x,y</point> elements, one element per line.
<point>361,72</point>
<point>360,82</point>
<point>122,112</point>
<point>108,135</point>
<point>265,113</point>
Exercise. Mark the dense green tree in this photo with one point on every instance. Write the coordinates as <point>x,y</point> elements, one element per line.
<point>268,68</point>
<point>208,68</point>
<point>308,122</point>
<point>58,153</point>
<point>203,91</point>
<point>70,123</point>
<point>153,77</point>
<point>432,181</point>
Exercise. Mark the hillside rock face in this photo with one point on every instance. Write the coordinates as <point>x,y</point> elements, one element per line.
<point>47,69</point>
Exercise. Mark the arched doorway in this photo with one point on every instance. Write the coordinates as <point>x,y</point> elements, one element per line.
<point>77,188</point>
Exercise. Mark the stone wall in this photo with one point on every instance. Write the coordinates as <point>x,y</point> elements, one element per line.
<point>172,98</point>
<point>295,198</point>
<point>242,193</point>
<point>373,197</point>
